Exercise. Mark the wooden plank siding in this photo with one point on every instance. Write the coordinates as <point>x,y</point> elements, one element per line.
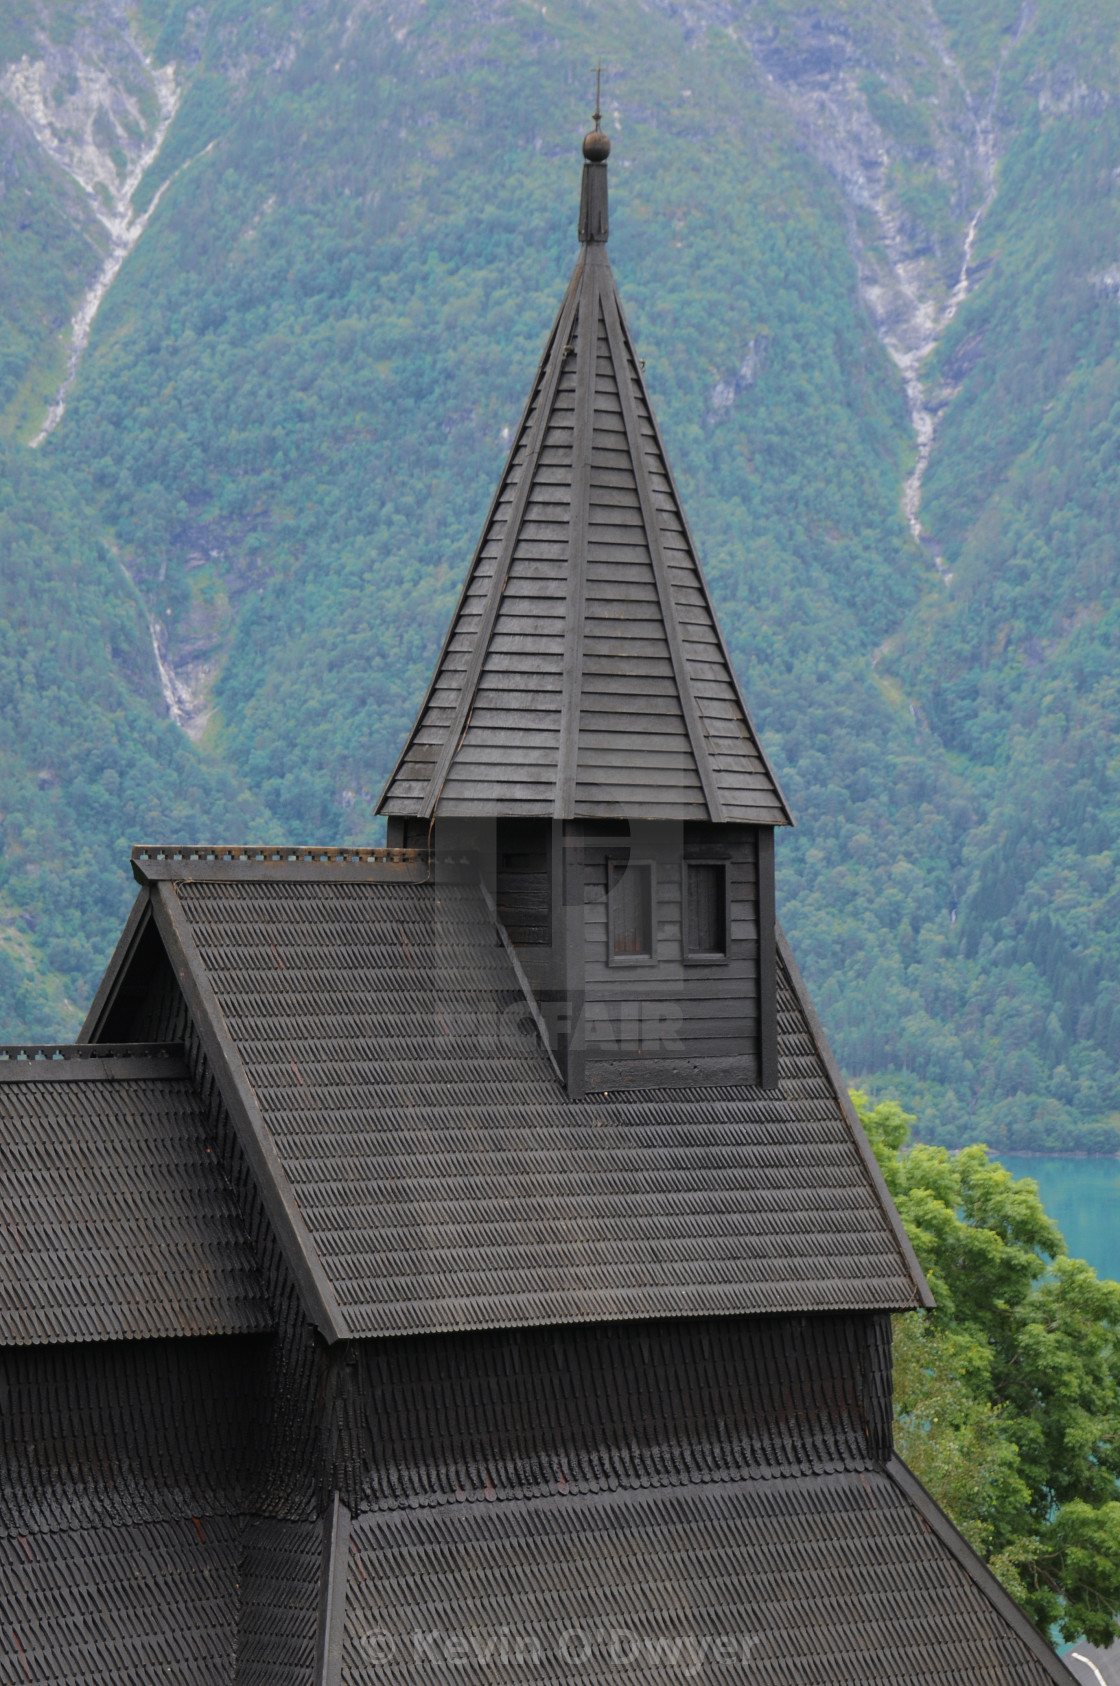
<point>508,755</point>
<point>670,1020</point>
<point>523,881</point>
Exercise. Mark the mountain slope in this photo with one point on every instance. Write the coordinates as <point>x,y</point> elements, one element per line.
<point>848,247</point>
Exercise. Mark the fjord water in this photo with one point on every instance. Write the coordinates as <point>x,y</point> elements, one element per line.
<point>1082,1195</point>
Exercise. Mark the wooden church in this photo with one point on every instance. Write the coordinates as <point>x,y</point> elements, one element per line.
<point>460,1261</point>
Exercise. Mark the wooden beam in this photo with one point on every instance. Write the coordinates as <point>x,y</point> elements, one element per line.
<point>523,982</point>
<point>277,1195</point>
<point>574,938</point>
<point>767,962</point>
<point>332,1593</point>
<point>582,435</point>
<point>689,709</point>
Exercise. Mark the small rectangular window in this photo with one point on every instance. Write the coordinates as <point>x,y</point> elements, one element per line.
<point>705,910</point>
<point>630,887</point>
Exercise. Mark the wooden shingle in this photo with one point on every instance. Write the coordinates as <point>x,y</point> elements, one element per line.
<point>584,675</point>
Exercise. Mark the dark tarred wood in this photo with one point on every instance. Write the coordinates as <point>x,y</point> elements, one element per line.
<point>670,1015</point>
<point>332,1593</point>
<point>577,535</point>
<point>606,1076</point>
<point>585,628</point>
<point>575,943</point>
<point>767,959</point>
<point>523,881</point>
<point>536,431</point>
<point>320,1301</point>
<point>117,970</point>
<point>594,226</point>
<point>657,555</point>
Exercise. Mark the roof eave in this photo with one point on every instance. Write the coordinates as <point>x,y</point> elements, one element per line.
<point>977,1571</point>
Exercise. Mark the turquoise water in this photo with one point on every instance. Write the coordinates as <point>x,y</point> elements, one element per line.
<point>1083,1198</point>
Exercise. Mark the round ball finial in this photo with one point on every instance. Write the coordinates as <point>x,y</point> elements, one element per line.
<point>596,147</point>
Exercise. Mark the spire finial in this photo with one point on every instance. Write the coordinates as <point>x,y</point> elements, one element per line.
<point>596,145</point>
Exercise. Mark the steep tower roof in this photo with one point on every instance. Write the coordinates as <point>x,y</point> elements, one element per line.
<point>584,674</point>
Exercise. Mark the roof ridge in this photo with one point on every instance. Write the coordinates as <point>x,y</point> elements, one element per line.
<point>263,853</point>
<point>276,861</point>
<point>82,1062</point>
<point>40,1053</point>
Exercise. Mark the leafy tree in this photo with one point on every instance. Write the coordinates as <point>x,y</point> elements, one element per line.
<point>1007,1397</point>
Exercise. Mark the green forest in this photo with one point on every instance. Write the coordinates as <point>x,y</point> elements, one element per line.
<point>298,390</point>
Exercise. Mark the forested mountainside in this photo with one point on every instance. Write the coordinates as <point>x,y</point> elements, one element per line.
<point>871,255</point>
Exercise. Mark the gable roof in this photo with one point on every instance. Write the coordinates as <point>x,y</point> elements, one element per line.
<point>119,1221</point>
<point>425,1168</point>
<point>584,674</point>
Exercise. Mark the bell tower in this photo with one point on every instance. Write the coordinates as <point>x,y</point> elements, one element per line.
<point>584,742</point>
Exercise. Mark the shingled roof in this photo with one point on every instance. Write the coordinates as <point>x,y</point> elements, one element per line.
<point>118,1221</point>
<point>584,674</point>
<point>810,1581</point>
<point>156,1601</point>
<point>434,1173</point>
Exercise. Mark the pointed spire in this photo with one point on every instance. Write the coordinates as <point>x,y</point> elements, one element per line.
<point>594,224</point>
<point>584,675</point>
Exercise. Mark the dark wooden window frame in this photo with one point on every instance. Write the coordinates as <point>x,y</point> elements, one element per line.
<point>702,957</point>
<point>622,863</point>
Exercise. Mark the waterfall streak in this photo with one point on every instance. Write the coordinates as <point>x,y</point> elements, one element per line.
<point>124,230</point>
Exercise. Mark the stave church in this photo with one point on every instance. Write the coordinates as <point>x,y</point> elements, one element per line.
<point>460,1260</point>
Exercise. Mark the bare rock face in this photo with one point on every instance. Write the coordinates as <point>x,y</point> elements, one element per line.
<point>887,108</point>
<point>872,86</point>
<point>100,109</point>
<point>95,104</point>
<point>879,98</point>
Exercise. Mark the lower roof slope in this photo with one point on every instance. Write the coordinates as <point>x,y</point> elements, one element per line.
<point>157,1601</point>
<point>444,1178</point>
<point>279,1603</point>
<point>119,1223</point>
<point>821,1580</point>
